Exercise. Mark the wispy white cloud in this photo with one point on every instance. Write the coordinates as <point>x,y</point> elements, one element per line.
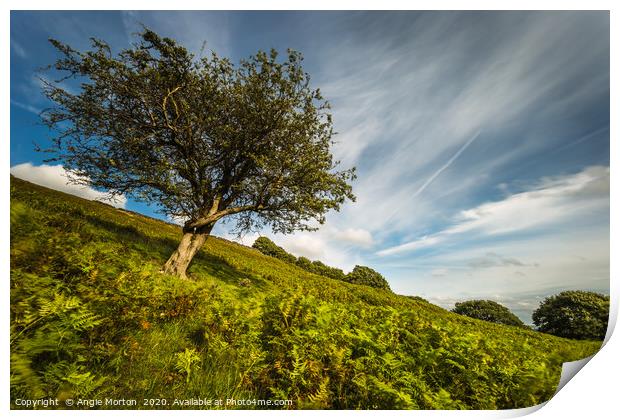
<point>26,107</point>
<point>492,259</point>
<point>57,177</point>
<point>552,201</point>
<point>402,114</point>
<point>194,30</point>
<point>18,49</point>
<point>588,137</point>
<point>32,93</point>
<point>445,165</point>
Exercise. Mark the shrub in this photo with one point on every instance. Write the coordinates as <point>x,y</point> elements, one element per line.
<point>268,247</point>
<point>487,310</point>
<point>317,267</point>
<point>574,314</point>
<point>324,270</point>
<point>304,263</point>
<point>368,277</point>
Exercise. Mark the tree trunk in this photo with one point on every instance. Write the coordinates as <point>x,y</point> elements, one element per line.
<point>190,244</point>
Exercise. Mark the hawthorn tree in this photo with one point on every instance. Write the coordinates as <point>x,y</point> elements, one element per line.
<point>202,138</point>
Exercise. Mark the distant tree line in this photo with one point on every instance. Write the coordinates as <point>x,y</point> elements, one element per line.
<point>359,275</point>
<point>572,314</point>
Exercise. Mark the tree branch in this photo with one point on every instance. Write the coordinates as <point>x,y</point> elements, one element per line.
<point>163,105</point>
<point>226,212</point>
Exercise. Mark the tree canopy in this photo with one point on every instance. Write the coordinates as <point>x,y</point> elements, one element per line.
<point>574,314</point>
<point>200,137</point>
<point>487,310</point>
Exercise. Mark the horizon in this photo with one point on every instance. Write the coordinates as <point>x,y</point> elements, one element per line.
<point>461,125</point>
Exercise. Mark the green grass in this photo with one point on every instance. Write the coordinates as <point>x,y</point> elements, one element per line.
<point>92,317</point>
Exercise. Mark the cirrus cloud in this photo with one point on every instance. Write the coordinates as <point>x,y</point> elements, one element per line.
<point>552,201</point>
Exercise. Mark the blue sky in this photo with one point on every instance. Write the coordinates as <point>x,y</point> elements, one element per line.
<point>481,138</point>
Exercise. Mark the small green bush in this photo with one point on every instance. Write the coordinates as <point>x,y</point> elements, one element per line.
<point>487,310</point>
<point>305,263</point>
<point>368,277</point>
<point>268,247</point>
<point>324,270</point>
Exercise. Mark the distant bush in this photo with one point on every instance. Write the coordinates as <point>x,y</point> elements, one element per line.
<point>304,263</point>
<point>368,277</point>
<point>324,270</point>
<point>268,247</point>
<point>317,267</point>
<point>487,310</point>
<point>574,314</point>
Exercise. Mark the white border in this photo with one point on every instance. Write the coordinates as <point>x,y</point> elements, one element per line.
<point>592,393</point>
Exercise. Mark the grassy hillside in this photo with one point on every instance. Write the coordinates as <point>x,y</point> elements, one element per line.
<point>91,317</point>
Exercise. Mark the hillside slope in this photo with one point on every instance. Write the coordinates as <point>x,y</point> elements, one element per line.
<point>91,317</point>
